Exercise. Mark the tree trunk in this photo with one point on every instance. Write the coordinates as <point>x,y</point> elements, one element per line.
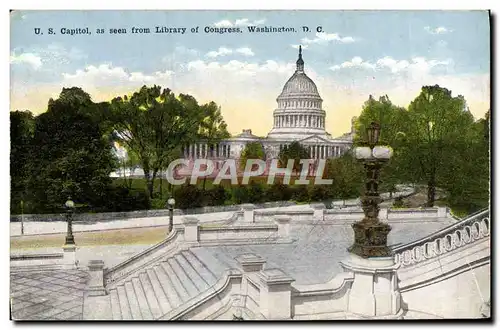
<point>431,190</point>
<point>204,182</point>
<point>149,180</point>
<point>161,185</point>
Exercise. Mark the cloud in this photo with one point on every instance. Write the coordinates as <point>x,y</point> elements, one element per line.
<point>415,65</point>
<point>242,68</point>
<point>356,62</point>
<point>323,38</point>
<point>31,59</point>
<point>239,22</point>
<point>47,58</point>
<point>438,30</point>
<point>107,75</point>
<point>245,51</point>
<point>223,51</point>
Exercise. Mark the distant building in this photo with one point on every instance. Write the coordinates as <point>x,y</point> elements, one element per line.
<point>298,117</point>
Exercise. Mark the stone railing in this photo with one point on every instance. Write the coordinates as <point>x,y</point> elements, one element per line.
<point>170,245</point>
<point>467,231</point>
<point>215,297</point>
<point>192,234</point>
<point>88,218</point>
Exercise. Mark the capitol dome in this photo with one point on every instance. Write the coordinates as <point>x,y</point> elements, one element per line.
<point>299,113</point>
<point>299,84</point>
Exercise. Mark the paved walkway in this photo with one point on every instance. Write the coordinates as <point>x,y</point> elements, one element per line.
<point>47,295</point>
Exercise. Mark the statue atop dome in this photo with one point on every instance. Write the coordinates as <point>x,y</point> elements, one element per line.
<point>300,61</point>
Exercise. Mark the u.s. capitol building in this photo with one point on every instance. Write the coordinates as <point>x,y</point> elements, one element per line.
<point>298,117</point>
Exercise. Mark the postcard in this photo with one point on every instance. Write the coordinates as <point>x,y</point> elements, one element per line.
<point>249,165</point>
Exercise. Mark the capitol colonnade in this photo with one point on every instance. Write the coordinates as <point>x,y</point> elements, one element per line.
<point>205,150</point>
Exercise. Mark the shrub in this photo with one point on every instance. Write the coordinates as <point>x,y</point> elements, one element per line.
<point>319,193</point>
<point>255,193</point>
<point>188,196</point>
<point>240,195</point>
<point>216,196</point>
<point>123,199</point>
<point>279,192</point>
<point>300,193</point>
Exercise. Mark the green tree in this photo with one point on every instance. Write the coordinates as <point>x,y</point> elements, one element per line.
<point>468,181</point>
<point>393,122</point>
<point>22,125</point>
<point>294,151</point>
<point>213,128</point>
<point>70,154</point>
<point>154,124</point>
<point>438,139</point>
<point>252,150</point>
<point>347,175</point>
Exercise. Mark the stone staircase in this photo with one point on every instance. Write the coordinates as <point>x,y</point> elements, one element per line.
<point>164,286</point>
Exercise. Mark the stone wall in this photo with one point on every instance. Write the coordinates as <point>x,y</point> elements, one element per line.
<point>113,216</point>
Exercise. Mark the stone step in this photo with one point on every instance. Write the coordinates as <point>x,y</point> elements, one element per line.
<point>176,283</point>
<point>158,291</point>
<point>141,298</point>
<point>198,280</point>
<point>168,288</point>
<point>132,300</point>
<point>200,267</point>
<point>124,307</point>
<point>115,305</point>
<point>190,287</point>
<point>150,295</point>
<point>210,262</point>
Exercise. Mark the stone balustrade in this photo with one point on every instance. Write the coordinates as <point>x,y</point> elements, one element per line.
<point>453,237</point>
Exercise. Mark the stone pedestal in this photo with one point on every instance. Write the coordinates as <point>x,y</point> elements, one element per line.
<point>275,294</point>
<point>441,212</point>
<point>374,291</point>
<point>191,229</point>
<point>319,211</point>
<point>283,222</point>
<point>96,281</point>
<point>250,262</point>
<point>248,212</point>
<point>69,256</point>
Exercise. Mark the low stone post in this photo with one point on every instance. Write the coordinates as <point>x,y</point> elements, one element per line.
<point>248,213</point>
<point>69,256</point>
<point>275,294</point>
<point>374,291</point>
<point>283,222</point>
<point>441,212</point>
<point>250,264</point>
<point>191,229</point>
<point>319,211</point>
<point>383,214</point>
<point>96,281</point>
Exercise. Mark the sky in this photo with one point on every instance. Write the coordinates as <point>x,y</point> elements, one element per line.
<point>357,54</point>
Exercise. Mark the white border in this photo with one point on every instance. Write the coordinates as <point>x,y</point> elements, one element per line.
<point>185,4</point>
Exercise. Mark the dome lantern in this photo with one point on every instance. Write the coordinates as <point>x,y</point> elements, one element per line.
<point>300,61</point>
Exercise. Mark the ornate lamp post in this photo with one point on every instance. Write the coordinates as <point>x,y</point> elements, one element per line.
<point>70,208</point>
<point>171,203</point>
<point>370,235</point>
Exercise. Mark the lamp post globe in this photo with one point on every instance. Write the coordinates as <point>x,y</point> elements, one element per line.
<point>70,208</point>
